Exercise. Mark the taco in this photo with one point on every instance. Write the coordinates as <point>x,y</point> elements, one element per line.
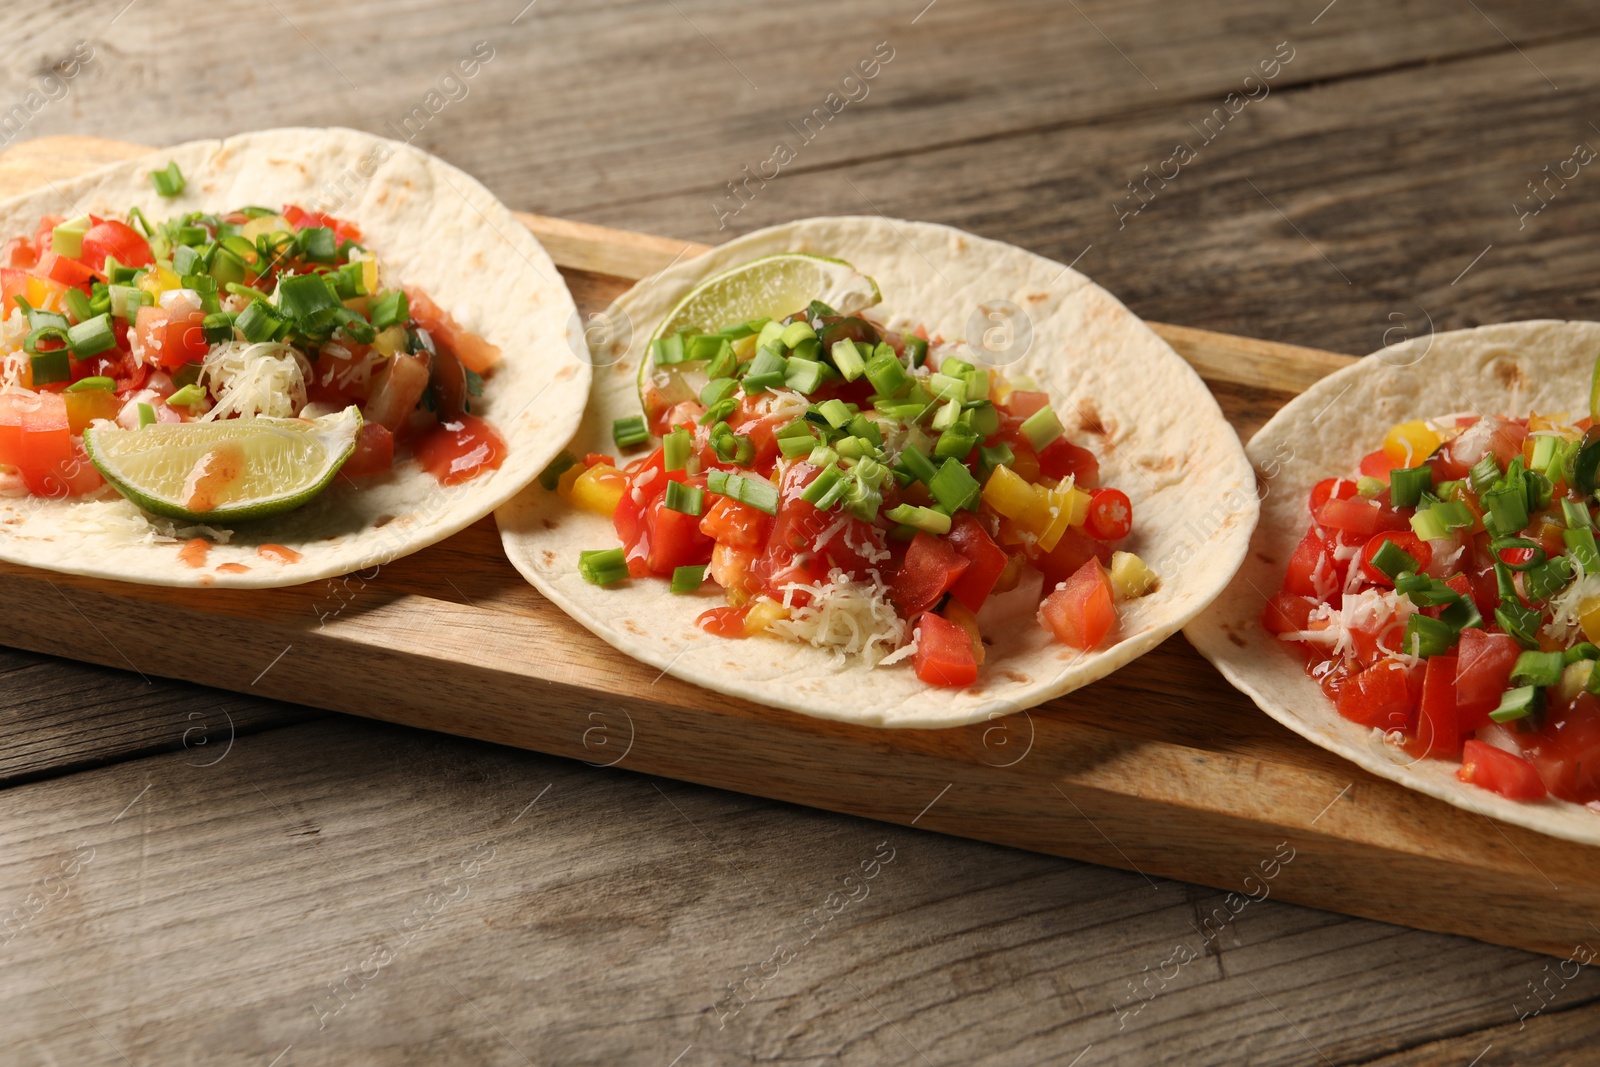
<point>1423,593</point>
<point>261,361</point>
<point>888,473</point>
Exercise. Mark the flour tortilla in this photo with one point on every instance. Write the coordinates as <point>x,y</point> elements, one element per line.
<point>1121,390</point>
<point>430,225</point>
<point>1508,369</point>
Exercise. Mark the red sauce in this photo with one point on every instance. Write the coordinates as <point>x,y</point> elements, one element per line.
<point>232,568</point>
<point>193,553</point>
<point>212,474</point>
<point>456,452</point>
<point>278,554</point>
<point>724,622</point>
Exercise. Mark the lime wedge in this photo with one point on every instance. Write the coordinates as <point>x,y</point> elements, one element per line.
<point>227,471</point>
<point>772,287</point>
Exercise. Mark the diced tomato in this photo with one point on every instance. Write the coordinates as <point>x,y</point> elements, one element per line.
<point>61,269</point>
<point>1080,611</point>
<point>985,561</point>
<point>1503,437</point>
<point>473,351</point>
<point>20,252</point>
<point>1483,672</point>
<point>118,240</point>
<point>1379,696</point>
<point>301,219</point>
<point>1376,465</point>
<point>749,422</point>
<point>944,652</point>
<point>1565,750</point>
<point>1499,771</point>
<point>44,447</point>
<point>1331,489</point>
<point>728,522</point>
<point>1438,726</point>
<point>724,622</point>
<point>1407,542</point>
<point>1359,515</point>
<point>169,338</point>
<point>673,539</point>
<point>932,565</point>
<point>1061,458</point>
<point>1025,402</point>
<point>1287,612</point>
<point>12,405</point>
<point>820,539</point>
<point>1312,559</point>
<point>1068,557</point>
<point>374,453</point>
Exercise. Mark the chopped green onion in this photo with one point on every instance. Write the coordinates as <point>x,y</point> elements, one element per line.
<point>258,322</point>
<point>771,335</point>
<point>731,447</point>
<point>916,350</point>
<point>765,371</point>
<point>319,243</point>
<point>147,415</point>
<point>983,418</point>
<point>702,347</point>
<point>954,486</point>
<point>796,332</point>
<point>676,448</point>
<point>744,329</point>
<point>91,337</point>
<point>867,429</point>
<point>630,432</point>
<point>687,579</point>
<point>218,327</point>
<point>550,477</point>
<point>1484,473</point>
<point>822,456</point>
<point>723,364</point>
<point>50,367</point>
<point>1428,524</point>
<point>126,300</point>
<point>810,348</point>
<point>848,359</point>
<point>1423,591</point>
<point>717,390</point>
<point>1447,490</point>
<point>1537,490</point>
<point>603,566</point>
<point>925,519</point>
<point>1575,513</point>
<point>720,410</point>
<point>1520,621</point>
<point>1504,544</point>
<point>1370,487</point>
<point>992,456</point>
<point>804,376</point>
<point>1586,462</point>
<point>1406,485</point>
<point>1549,578</point>
<point>1537,668</point>
<point>1581,650</point>
<point>84,385</point>
<point>1505,509</point>
<point>947,416</point>
<point>666,351</point>
<point>686,499</point>
<point>818,310</point>
<point>388,309</point>
<point>820,487</point>
<point>1545,451</point>
<point>168,180</point>
<point>188,396</point>
<point>955,443</point>
<point>886,374</point>
<point>1427,637</point>
<point>757,492</point>
<point>1042,427</point>
<point>1462,615</point>
<point>77,302</point>
<point>1391,559</point>
<point>1517,704</point>
<point>1581,547</point>
<point>946,387</point>
<point>916,461</point>
<point>837,412</point>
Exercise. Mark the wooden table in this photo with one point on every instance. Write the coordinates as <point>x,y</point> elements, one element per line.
<point>192,876</point>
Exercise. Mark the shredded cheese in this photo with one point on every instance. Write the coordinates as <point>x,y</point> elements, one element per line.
<point>265,378</point>
<point>1566,605</point>
<point>1373,610</point>
<point>848,617</point>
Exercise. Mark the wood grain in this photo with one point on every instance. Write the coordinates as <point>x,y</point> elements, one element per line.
<point>606,916</point>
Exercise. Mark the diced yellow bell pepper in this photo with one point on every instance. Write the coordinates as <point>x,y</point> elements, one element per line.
<point>568,478</point>
<point>1589,618</point>
<point>1061,507</point>
<point>599,489</point>
<point>1561,423</point>
<point>89,404</point>
<point>264,224</point>
<point>44,293</point>
<point>369,276</point>
<point>1409,444</point>
<point>389,341</point>
<point>1008,494</point>
<point>158,280</point>
<point>1131,576</point>
<point>1574,680</point>
<point>762,614</point>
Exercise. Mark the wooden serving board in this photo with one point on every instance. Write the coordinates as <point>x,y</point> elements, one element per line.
<point>1162,768</point>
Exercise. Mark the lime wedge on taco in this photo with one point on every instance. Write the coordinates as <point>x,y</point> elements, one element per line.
<point>225,471</point>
